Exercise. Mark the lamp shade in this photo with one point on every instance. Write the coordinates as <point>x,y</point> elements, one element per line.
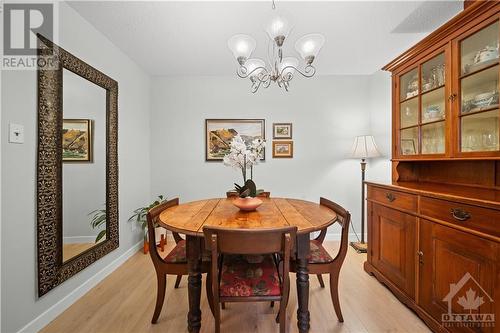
<point>242,47</point>
<point>288,65</point>
<point>278,28</point>
<point>254,66</point>
<point>364,147</point>
<point>309,45</point>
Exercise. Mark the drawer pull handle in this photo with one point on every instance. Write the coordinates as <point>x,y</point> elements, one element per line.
<point>460,214</point>
<point>390,197</point>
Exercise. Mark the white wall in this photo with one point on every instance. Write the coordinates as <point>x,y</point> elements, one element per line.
<point>19,105</point>
<point>380,107</point>
<point>326,112</point>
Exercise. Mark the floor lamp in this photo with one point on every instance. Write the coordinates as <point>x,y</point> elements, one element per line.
<point>364,147</point>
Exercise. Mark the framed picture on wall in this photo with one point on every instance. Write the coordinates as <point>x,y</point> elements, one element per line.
<point>282,130</point>
<point>282,149</point>
<point>220,132</point>
<point>77,142</point>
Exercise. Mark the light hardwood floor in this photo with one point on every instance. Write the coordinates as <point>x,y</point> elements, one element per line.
<point>74,249</point>
<point>124,302</point>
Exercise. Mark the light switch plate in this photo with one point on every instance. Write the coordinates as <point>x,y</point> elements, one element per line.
<point>16,133</point>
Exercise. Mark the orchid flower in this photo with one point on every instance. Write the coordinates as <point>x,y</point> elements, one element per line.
<point>244,157</point>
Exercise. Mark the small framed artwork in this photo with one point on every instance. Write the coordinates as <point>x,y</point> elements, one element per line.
<point>77,140</point>
<point>220,132</point>
<point>282,149</point>
<point>408,147</point>
<point>282,130</point>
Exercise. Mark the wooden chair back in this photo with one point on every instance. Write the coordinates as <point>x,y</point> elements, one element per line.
<point>151,218</point>
<point>249,241</point>
<point>234,194</point>
<point>344,219</point>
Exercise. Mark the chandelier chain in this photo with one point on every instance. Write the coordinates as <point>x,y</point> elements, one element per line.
<point>274,5</point>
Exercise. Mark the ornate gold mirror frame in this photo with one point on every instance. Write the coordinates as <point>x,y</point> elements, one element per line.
<point>51,269</point>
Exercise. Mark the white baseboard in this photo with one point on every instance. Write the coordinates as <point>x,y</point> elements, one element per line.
<point>79,239</point>
<point>55,310</point>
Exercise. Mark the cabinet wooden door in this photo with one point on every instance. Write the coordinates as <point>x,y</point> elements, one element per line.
<point>457,275</point>
<point>393,246</point>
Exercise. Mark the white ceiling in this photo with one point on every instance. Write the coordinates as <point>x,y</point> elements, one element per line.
<point>190,38</point>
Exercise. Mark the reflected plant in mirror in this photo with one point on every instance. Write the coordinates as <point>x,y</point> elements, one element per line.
<point>98,220</point>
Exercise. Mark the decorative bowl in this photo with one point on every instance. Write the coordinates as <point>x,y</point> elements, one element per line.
<point>247,204</point>
<point>486,54</point>
<point>432,112</point>
<point>483,100</point>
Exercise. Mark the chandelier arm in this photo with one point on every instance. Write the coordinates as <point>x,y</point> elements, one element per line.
<point>242,72</point>
<point>309,71</point>
<point>267,83</point>
<point>255,86</point>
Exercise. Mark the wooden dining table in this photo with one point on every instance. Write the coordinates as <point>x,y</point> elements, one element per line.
<point>190,218</point>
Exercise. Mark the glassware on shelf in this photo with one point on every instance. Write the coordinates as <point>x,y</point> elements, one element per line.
<point>409,141</point>
<point>480,49</point>
<point>433,105</point>
<point>433,138</point>
<point>479,132</point>
<point>409,113</point>
<point>433,73</point>
<point>409,85</point>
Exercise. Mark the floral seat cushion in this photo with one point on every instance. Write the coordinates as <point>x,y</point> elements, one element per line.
<point>318,254</point>
<point>178,254</point>
<point>240,278</point>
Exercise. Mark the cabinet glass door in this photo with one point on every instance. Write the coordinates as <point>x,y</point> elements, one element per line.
<point>422,108</point>
<point>479,75</point>
<point>433,110</point>
<point>409,113</point>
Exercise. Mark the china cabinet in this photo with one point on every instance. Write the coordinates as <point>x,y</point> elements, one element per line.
<point>434,231</point>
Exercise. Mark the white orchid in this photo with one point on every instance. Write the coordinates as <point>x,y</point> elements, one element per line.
<point>244,157</point>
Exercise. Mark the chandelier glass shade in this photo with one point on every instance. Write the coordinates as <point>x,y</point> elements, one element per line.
<point>278,69</point>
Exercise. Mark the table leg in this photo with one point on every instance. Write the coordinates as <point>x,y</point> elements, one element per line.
<point>302,283</point>
<point>193,252</point>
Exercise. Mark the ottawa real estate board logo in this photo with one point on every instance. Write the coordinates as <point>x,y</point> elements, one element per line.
<point>469,305</point>
<point>21,24</point>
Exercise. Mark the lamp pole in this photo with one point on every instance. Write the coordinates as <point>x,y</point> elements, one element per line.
<point>364,147</point>
<point>363,168</point>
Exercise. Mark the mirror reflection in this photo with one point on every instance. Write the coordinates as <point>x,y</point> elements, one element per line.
<point>83,165</point>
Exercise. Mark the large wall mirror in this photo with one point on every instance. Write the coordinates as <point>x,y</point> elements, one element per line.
<point>77,171</point>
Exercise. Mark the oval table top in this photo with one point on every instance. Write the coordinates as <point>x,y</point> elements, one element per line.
<point>189,218</point>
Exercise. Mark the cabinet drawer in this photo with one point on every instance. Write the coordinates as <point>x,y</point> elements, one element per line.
<point>476,218</point>
<point>394,199</point>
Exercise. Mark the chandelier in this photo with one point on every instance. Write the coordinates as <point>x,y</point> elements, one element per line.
<point>279,69</point>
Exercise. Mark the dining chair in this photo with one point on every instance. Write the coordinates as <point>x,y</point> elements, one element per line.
<point>321,262</point>
<point>233,194</point>
<point>174,263</point>
<point>234,279</point>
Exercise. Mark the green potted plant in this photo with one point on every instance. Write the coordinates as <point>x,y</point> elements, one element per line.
<point>139,216</point>
<point>98,219</point>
